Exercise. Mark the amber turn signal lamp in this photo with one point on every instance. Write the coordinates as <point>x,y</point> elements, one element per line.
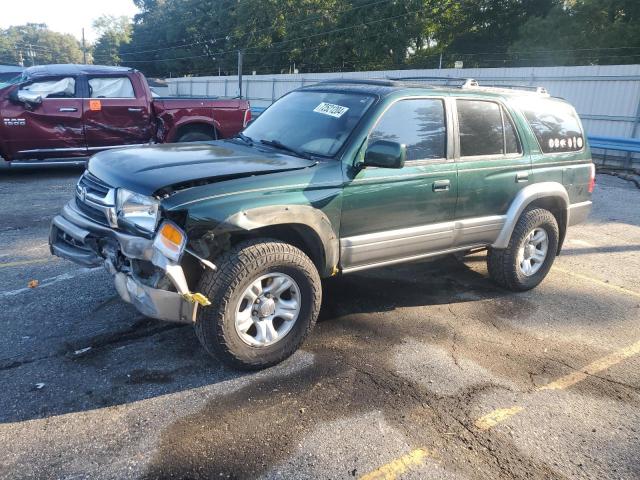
<point>170,240</point>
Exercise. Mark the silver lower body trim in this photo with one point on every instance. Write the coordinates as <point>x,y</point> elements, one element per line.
<point>578,212</point>
<point>62,162</point>
<point>412,258</point>
<point>111,147</point>
<point>48,151</point>
<point>380,248</point>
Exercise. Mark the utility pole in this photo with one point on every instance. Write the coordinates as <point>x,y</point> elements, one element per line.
<point>84,49</point>
<point>31,54</point>
<point>240,72</point>
<point>440,64</point>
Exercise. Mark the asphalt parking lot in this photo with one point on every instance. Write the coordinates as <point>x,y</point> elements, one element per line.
<point>417,371</point>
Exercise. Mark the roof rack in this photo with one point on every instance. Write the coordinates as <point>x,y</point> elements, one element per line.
<point>471,83</point>
<point>363,81</point>
<point>467,84</point>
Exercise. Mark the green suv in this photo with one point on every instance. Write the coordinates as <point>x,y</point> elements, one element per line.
<point>234,236</point>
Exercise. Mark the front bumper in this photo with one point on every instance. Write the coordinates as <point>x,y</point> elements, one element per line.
<point>75,237</point>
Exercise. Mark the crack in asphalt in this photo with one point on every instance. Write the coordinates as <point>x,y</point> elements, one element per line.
<point>454,338</point>
<point>98,342</point>
<point>443,412</point>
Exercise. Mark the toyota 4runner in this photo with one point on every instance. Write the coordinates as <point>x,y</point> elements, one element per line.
<point>234,235</point>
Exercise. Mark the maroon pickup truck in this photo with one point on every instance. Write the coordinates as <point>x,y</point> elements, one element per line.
<point>67,112</point>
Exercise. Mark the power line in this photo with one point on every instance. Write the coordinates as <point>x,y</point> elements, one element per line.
<point>503,58</point>
<point>336,30</point>
<point>225,35</point>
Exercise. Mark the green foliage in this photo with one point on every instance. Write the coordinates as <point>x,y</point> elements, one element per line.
<point>202,37</point>
<point>581,32</point>
<point>34,43</point>
<point>114,33</point>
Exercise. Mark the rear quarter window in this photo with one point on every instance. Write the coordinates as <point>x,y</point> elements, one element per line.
<point>554,123</point>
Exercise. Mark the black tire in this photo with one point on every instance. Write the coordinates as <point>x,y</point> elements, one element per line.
<point>237,269</point>
<point>503,265</point>
<point>197,136</point>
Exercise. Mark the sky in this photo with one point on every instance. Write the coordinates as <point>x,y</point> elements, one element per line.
<point>65,16</point>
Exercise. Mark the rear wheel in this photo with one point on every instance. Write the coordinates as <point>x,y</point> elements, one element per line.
<point>265,298</point>
<point>197,135</point>
<point>530,253</point>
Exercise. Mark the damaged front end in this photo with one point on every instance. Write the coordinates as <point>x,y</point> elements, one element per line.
<point>147,268</point>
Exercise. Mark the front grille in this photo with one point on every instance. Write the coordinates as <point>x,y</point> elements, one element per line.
<point>94,185</point>
<point>92,213</point>
<point>91,191</point>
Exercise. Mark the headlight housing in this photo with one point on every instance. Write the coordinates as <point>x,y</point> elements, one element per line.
<point>138,210</point>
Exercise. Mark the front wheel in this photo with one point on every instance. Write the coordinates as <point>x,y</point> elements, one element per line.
<point>265,298</point>
<point>530,253</point>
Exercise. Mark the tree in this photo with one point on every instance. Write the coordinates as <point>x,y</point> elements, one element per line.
<point>114,33</point>
<point>35,44</point>
<point>581,32</point>
<point>202,37</point>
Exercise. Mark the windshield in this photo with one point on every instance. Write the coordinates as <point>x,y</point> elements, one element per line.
<point>313,122</point>
<point>11,81</point>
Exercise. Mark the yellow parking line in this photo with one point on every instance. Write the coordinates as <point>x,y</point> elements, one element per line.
<point>401,465</point>
<point>612,286</point>
<point>499,415</point>
<point>491,419</point>
<point>25,262</point>
<point>593,368</point>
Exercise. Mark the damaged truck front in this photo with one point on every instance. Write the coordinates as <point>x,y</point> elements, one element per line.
<point>158,225</point>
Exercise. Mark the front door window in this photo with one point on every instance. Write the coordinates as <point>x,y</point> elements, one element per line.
<point>419,124</point>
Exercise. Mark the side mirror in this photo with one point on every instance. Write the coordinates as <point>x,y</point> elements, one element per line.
<point>385,154</point>
<point>30,98</point>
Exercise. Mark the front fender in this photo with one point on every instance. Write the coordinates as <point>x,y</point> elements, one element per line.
<point>525,197</point>
<point>307,197</point>
<point>273,215</point>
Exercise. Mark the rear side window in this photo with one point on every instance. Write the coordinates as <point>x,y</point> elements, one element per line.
<point>485,129</point>
<point>555,124</point>
<point>417,123</point>
<point>111,87</point>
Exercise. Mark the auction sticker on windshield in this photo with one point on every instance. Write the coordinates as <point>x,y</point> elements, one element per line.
<point>330,109</point>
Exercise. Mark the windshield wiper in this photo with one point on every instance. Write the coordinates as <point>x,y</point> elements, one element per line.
<point>244,138</point>
<point>281,146</point>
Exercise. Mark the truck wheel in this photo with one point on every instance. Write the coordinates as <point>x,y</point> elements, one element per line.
<point>530,253</point>
<point>197,136</point>
<point>265,298</point>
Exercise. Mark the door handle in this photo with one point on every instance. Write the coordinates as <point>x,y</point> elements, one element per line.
<point>441,185</point>
<point>68,109</point>
<point>522,177</point>
<point>131,109</point>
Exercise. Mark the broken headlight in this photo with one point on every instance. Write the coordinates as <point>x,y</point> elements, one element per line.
<point>138,210</point>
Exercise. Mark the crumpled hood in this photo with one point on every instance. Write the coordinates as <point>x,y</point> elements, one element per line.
<point>151,168</point>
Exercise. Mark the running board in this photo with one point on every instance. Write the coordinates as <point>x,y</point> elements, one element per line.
<point>62,162</point>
